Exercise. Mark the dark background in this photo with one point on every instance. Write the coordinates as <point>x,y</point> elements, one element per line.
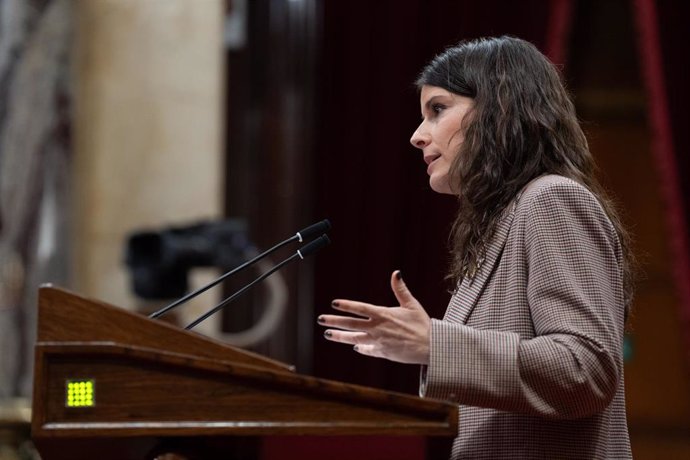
<point>321,106</point>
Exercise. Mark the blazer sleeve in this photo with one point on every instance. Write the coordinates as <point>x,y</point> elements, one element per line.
<point>572,365</point>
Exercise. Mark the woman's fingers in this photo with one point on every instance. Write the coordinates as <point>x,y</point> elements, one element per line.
<point>361,341</point>
<point>345,322</point>
<point>356,308</point>
<point>369,349</point>
<point>397,333</point>
<point>367,316</point>
<point>347,337</point>
<point>400,290</point>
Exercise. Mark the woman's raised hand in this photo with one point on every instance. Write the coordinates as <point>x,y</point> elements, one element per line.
<point>396,333</point>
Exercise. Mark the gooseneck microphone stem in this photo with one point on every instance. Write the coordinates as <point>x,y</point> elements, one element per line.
<point>305,251</point>
<point>191,295</point>
<point>308,232</point>
<point>227,300</point>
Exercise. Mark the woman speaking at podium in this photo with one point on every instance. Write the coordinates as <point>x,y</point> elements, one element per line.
<point>531,343</point>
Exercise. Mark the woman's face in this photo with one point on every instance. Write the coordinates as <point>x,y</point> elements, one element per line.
<point>439,136</point>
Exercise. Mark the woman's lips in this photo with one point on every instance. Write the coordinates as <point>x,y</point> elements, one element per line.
<point>430,160</point>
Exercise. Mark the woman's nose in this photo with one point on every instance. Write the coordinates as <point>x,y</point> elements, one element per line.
<point>420,138</point>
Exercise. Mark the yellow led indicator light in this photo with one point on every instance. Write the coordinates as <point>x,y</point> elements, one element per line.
<point>81,393</point>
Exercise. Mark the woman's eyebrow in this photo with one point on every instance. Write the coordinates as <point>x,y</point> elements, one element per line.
<point>429,103</point>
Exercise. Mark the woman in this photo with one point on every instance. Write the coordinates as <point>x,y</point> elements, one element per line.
<point>531,342</point>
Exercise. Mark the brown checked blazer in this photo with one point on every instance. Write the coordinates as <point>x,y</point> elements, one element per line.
<point>531,347</point>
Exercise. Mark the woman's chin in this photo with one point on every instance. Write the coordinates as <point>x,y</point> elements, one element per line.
<point>440,186</point>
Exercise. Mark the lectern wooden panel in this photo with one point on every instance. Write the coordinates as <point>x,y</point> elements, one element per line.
<point>112,382</point>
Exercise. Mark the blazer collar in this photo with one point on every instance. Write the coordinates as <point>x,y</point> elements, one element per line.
<point>469,290</point>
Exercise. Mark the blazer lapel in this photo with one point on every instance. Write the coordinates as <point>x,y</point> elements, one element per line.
<point>467,294</point>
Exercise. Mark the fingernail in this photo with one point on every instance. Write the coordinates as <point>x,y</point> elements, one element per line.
<point>335,304</point>
<point>327,334</point>
<point>320,320</point>
<point>398,275</point>
<point>355,348</point>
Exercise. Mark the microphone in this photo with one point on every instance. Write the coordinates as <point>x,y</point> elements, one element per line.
<point>307,250</point>
<point>306,233</point>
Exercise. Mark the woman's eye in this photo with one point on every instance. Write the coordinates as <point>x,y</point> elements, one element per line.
<point>437,108</point>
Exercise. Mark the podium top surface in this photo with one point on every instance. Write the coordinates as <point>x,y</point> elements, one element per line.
<point>67,317</point>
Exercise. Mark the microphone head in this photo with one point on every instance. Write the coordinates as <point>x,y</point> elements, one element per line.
<point>314,229</point>
<point>313,246</point>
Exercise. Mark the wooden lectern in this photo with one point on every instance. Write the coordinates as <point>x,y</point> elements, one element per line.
<point>112,384</point>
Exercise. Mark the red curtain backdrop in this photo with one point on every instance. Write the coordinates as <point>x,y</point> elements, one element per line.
<point>372,183</point>
<point>662,27</point>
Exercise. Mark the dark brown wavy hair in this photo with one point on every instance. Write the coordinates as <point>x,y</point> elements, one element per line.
<point>522,125</point>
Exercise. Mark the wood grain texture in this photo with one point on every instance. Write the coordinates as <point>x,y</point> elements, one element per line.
<point>156,383</point>
<point>67,317</point>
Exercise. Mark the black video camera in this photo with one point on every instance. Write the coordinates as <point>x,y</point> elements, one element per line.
<point>159,262</point>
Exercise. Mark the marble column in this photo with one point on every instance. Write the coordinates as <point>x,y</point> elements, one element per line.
<point>148,96</point>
